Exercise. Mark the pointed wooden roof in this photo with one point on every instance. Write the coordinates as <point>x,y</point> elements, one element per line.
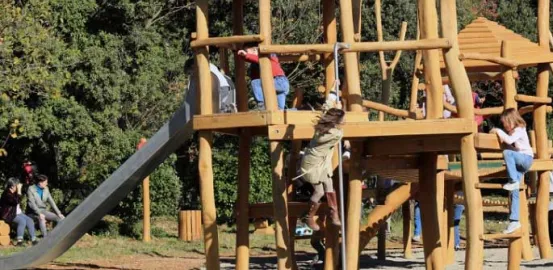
<point>484,37</point>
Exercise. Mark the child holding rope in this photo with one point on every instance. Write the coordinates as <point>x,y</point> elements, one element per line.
<point>518,159</point>
<point>316,166</point>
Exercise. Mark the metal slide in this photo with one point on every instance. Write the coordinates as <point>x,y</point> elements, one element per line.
<point>172,135</point>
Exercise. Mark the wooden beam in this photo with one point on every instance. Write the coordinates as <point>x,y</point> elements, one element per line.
<point>390,110</point>
<point>488,237</point>
<point>530,108</point>
<point>412,145</point>
<point>221,121</point>
<point>483,111</point>
<point>486,57</point>
<point>436,127</point>
<point>299,58</point>
<point>216,41</point>
<point>408,45</point>
<point>484,141</point>
<point>533,99</point>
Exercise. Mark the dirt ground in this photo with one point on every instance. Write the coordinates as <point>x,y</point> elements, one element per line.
<point>495,258</point>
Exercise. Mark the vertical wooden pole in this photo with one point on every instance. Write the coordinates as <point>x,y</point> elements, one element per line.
<point>244,144</point>
<point>515,249</point>
<point>209,215</point>
<point>265,69</point>
<point>381,237</point>
<point>146,232</point>
<point>542,205</point>
<point>509,84</point>
<point>280,205</point>
<point>462,90</point>
<point>407,230</point>
<point>330,37</point>
<point>527,254</point>
<point>355,104</point>
<point>533,175</point>
<point>450,222</point>
<point>431,181</point>
<point>223,60</point>
<point>430,213</point>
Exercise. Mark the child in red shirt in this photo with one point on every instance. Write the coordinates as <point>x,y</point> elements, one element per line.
<point>282,86</point>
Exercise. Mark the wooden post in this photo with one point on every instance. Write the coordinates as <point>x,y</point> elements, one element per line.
<point>355,104</point>
<point>407,230</point>
<point>330,37</point>
<point>462,90</point>
<point>509,84</point>
<point>542,203</point>
<point>450,222</point>
<point>381,243</point>
<point>280,205</point>
<point>533,175</point>
<point>146,232</point>
<point>431,181</point>
<point>223,60</point>
<point>209,214</point>
<point>244,145</point>
<point>527,254</point>
<point>265,69</point>
<point>430,213</point>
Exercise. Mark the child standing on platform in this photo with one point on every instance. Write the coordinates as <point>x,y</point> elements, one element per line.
<point>518,159</point>
<point>316,166</point>
<point>282,86</point>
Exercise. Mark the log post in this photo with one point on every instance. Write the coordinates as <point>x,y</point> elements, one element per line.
<point>527,254</point>
<point>462,90</point>
<point>381,237</point>
<point>509,83</point>
<point>209,215</point>
<point>407,230</point>
<point>265,69</point>
<point>330,37</point>
<point>542,203</point>
<point>430,180</point>
<point>355,104</point>
<point>280,208</point>
<point>450,222</point>
<point>146,232</point>
<point>244,145</point>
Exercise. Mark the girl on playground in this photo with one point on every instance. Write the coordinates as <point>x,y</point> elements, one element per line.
<point>518,159</point>
<point>316,166</point>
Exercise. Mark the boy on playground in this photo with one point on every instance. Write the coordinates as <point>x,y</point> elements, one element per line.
<point>316,166</point>
<point>282,86</point>
<point>518,159</point>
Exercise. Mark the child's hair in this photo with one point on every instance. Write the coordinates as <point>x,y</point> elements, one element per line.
<point>12,182</point>
<point>512,118</point>
<point>329,120</point>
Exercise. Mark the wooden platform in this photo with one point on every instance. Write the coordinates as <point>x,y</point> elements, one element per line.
<point>299,125</point>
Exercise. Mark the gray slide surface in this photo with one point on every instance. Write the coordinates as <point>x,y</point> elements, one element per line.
<point>172,135</point>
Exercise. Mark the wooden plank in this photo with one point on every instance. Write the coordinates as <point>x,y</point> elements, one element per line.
<point>488,142</point>
<point>494,186</point>
<point>495,236</point>
<point>486,57</point>
<point>413,145</point>
<point>235,120</point>
<point>413,45</point>
<point>437,127</point>
<point>216,41</point>
<point>533,99</point>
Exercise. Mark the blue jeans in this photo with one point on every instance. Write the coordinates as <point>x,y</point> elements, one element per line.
<point>23,221</point>
<point>517,164</point>
<point>458,212</point>
<point>417,219</point>
<point>282,87</point>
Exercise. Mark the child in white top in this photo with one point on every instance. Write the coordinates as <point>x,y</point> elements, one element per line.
<point>518,159</point>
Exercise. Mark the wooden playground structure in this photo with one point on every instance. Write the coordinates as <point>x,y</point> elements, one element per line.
<point>412,151</point>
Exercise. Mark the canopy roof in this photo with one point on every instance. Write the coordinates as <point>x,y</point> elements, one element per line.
<point>485,37</point>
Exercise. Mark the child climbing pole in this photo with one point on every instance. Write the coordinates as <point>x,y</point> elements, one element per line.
<point>316,166</point>
<point>518,159</point>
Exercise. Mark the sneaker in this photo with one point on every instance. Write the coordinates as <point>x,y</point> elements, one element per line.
<point>19,243</point>
<point>511,186</point>
<point>346,155</point>
<point>35,242</point>
<point>513,226</point>
<point>457,247</point>
<point>417,239</point>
